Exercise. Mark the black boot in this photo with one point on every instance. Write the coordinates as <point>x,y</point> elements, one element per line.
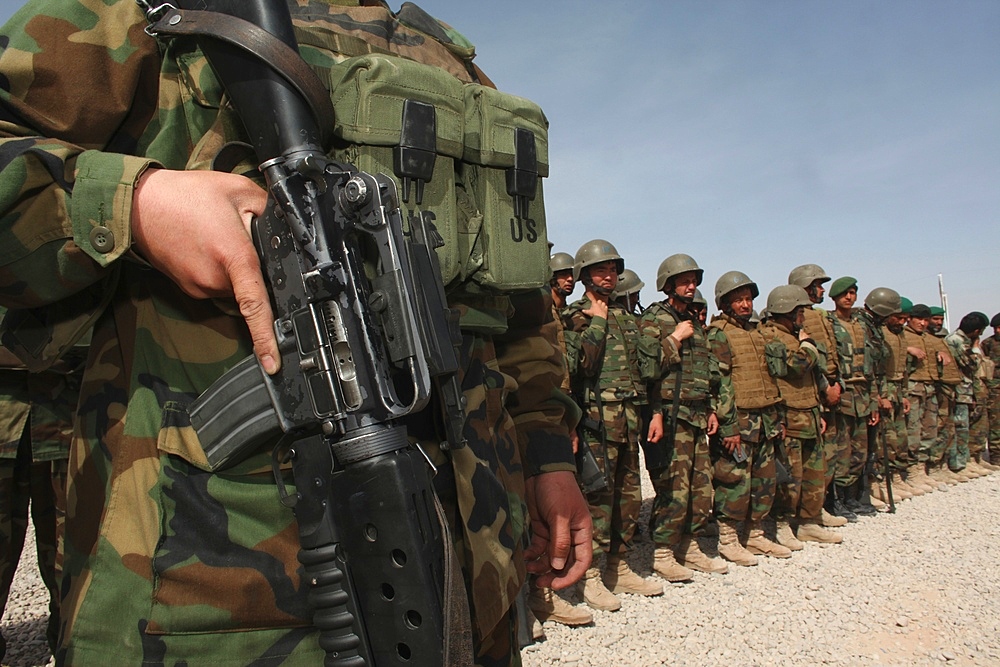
<point>857,500</point>
<point>838,507</point>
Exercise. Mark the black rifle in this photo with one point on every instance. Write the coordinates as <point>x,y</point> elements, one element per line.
<point>364,335</point>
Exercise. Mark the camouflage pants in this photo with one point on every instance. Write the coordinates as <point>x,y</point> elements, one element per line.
<point>993,417</point>
<point>958,453</point>
<point>43,485</point>
<point>615,511</point>
<point>683,501</point>
<point>979,431</point>
<point>945,426</point>
<point>801,497</point>
<point>922,423</point>
<point>744,490</point>
<point>896,438</point>
<point>830,446</point>
<point>852,448</point>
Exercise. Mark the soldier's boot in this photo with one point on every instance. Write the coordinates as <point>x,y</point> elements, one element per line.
<point>942,475</point>
<point>786,537</point>
<point>730,547</point>
<point>837,506</point>
<point>813,532</point>
<point>969,471</point>
<point>898,481</point>
<point>596,594</point>
<point>899,491</point>
<point>877,495</point>
<point>534,626</point>
<point>831,521</point>
<point>695,559</point>
<point>666,565</point>
<point>619,578</point>
<point>757,543</point>
<point>855,498</point>
<point>547,606</point>
<point>917,474</point>
<point>985,463</point>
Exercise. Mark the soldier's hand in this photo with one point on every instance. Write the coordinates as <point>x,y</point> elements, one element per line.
<point>731,443</point>
<point>822,426</point>
<point>874,418</point>
<point>833,394</point>
<point>944,358</point>
<point>803,335</point>
<point>561,530</point>
<point>916,352</point>
<point>598,308</point>
<point>884,403</point>
<point>194,226</point>
<point>655,428</point>
<point>906,406</point>
<point>713,424</point>
<point>574,437</point>
<point>683,331</point>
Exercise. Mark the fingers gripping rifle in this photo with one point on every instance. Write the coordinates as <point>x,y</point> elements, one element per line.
<point>364,335</point>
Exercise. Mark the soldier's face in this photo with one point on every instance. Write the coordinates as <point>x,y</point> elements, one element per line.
<point>741,302</point>
<point>895,322</point>
<point>564,281</point>
<point>816,291</point>
<point>847,299</point>
<point>799,315</point>
<point>919,324</point>
<point>937,321</point>
<point>685,284</point>
<point>605,275</point>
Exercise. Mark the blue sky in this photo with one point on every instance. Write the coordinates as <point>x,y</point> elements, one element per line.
<point>860,135</point>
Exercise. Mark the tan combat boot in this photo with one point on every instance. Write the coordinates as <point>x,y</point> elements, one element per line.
<point>830,520</point>
<point>665,564</point>
<point>916,474</point>
<point>730,547</point>
<point>899,491</point>
<point>914,491</point>
<point>596,594</point>
<point>813,532</point>
<point>757,543</point>
<point>942,475</point>
<point>619,578</point>
<point>547,606</point>
<point>691,555</point>
<point>786,537</point>
<point>984,462</point>
<point>877,496</point>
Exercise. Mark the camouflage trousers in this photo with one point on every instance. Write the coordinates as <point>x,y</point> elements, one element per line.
<point>683,501</point>
<point>922,421</point>
<point>896,438</point>
<point>615,510</point>
<point>993,417</point>
<point>830,446</point>
<point>945,425</point>
<point>958,453</point>
<point>42,486</point>
<point>802,496</point>
<point>744,490</point>
<point>979,430</point>
<point>852,448</point>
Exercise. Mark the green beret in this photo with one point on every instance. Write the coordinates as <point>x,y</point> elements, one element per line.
<point>841,285</point>
<point>937,310</point>
<point>907,305</point>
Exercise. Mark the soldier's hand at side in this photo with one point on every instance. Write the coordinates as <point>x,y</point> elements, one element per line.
<point>731,443</point>
<point>713,424</point>
<point>194,226</point>
<point>833,394</point>
<point>655,428</point>
<point>575,439</point>
<point>683,331</point>
<point>944,358</point>
<point>561,530</point>
<point>906,406</point>
<point>874,418</point>
<point>822,426</point>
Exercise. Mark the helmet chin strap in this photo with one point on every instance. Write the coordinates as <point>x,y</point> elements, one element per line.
<point>680,297</point>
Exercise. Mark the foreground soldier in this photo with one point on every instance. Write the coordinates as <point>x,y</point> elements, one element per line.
<point>166,562</point>
<point>922,421</point>
<point>749,425</point>
<point>683,418</point>
<point>609,387</point>
<point>791,358</point>
<point>946,388</point>
<point>960,343</point>
<point>896,389</point>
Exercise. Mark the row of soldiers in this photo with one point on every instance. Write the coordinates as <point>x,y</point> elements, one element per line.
<point>770,428</point>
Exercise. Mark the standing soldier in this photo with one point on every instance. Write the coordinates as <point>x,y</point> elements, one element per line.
<point>946,388</point>
<point>699,307</point>
<point>858,408</point>
<point>682,416</point>
<point>922,421</point>
<point>936,324</point>
<point>991,351</point>
<point>979,422</point>
<point>627,292</point>
<point>897,383</point>
<point>960,344</point>
<point>608,384</point>
<point>819,326</point>
<point>791,359</point>
<point>749,425</point>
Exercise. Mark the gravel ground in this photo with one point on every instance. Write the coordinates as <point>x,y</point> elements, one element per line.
<point>919,587</point>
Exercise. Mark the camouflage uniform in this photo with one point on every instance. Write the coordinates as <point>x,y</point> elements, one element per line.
<point>792,363</point>
<point>608,361</point>
<point>966,363</point>
<point>896,390</point>
<point>922,422</point>
<point>855,352</point>
<point>684,494</point>
<point>166,561</point>
<point>36,426</point>
<point>748,406</point>
<point>818,324</point>
<point>991,350</point>
<point>979,421</point>
<point>949,379</point>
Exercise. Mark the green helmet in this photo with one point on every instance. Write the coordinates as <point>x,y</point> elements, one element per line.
<point>674,266</point>
<point>786,298</point>
<point>884,302</point>
<point>730,281</point>
<point>805,275</point>
<point>561,261</point>
<point>595,252</point>
<point>699,299</point>
<point>628,283</point>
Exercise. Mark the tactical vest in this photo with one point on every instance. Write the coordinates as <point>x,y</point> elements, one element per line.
<point>754,386</point>
<point>696,360</point>
<point>947,373</point>
<point>896,366</point>
<point>922,370</point>
<point>619,378</point>
<point>854,355</point>
<point>820,329</point>
<point>800,392</point>
<point>991,349</point>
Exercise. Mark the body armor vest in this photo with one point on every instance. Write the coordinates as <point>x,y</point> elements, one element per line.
<point>798,392</point>
<point>924,370</point>
<point>991,349</point>
<point>754,386</point>
<point>695,357</point>
<point>896,366</point>
<point>855,361</point>
<point>948,373</point>
<point>619,378</point>
<point>820,329</point>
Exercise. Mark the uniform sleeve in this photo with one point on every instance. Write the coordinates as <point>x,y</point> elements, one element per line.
<point>962,353</point>
<point>80,84</point>
<point>593,336</point>
<point>803,360</point>
<point>529,352</point>
<point>724,397</point>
